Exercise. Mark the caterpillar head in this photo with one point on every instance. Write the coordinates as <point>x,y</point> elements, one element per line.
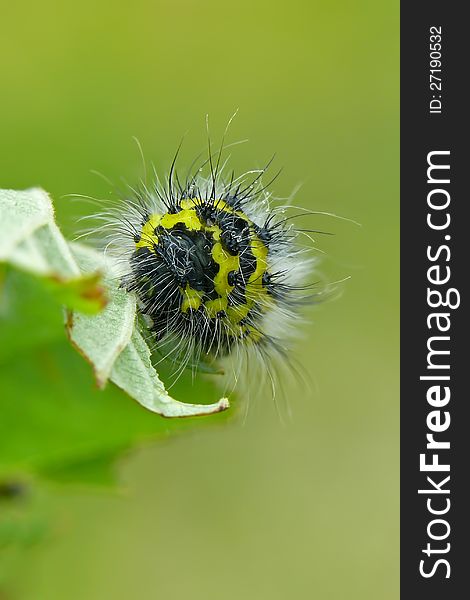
<point>216,269</point>
<point>202,273</point>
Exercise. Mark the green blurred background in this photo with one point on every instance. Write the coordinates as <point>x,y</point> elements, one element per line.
<point>255,509</point>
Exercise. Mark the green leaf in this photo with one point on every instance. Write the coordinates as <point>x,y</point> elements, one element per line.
<point>53,416</point>
<point>31,242</point>
<point>134,373</point>
<point>21,214</point>
<point>54,420</point>
<point>29,314</point>
<point>102,337</point>
<point>111,341</point>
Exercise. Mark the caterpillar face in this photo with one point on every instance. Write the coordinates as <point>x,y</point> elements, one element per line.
<point>216,269</point>
<point>202,271</point>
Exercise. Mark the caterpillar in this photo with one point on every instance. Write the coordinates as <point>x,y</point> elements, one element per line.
<point>218,271</point>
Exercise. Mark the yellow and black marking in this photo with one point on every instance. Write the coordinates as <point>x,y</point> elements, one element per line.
<point>202,270</point>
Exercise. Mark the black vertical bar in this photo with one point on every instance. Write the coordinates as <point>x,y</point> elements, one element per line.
<point>422,132</point>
